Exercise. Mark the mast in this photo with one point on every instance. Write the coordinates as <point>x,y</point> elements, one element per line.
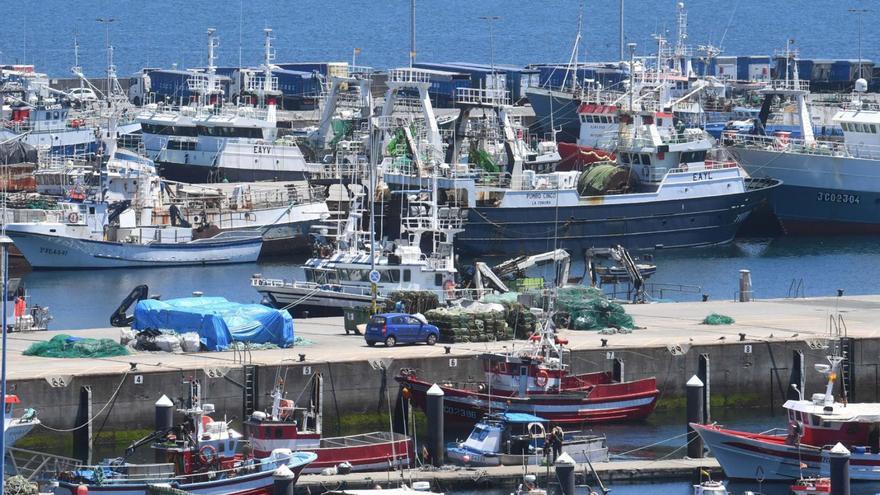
<point>621,30</point>
<point>412,33</point>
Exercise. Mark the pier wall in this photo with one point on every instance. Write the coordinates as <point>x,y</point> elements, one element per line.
<point>743,374</point>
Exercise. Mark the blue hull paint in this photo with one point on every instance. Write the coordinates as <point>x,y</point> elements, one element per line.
<point>812,210</point>
<point>668,224</point>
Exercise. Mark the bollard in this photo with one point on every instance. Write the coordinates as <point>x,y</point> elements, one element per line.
<point>694,415</point>
<point>164,414</point>
<point>796,378</point>
<point>745,286</point>
<point>705,375</point>
<point>565,473</point>
<point>618,370</point>
<point>283,481</point>
<point>436,442</point>
<point>839,470</point>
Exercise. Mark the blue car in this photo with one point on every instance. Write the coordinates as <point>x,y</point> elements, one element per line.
<point>394,328</point>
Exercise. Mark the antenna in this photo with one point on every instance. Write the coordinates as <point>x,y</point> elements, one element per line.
<point>859,13</point>
<point>621,30</point>
<point>412,33</point>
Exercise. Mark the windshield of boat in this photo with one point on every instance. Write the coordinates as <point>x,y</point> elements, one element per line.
<point>484,438</point>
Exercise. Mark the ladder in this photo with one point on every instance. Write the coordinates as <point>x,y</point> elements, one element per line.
<point>848,380</point>
<point>249,390</point>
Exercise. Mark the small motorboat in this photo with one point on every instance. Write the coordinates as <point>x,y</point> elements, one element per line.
<point>17,427</point>
<point>710,487</point>
<point>517,439</point>
<point>812,486</point>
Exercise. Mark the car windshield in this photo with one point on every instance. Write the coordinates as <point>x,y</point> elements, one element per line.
<point>377,320</point>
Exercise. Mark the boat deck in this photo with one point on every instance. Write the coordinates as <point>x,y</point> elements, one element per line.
<point>661,325</point>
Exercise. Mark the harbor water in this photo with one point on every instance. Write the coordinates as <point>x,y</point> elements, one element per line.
<point>158,33</point>
<point>781,267</point>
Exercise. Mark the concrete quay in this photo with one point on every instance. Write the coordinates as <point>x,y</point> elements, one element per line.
<point>510,476</point>
<point>359,380</point>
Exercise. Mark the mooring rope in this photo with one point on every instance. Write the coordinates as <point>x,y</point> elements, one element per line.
<point>94,416</point>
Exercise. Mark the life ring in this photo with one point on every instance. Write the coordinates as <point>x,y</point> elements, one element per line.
<point>449,288</point>
<point>73,217</point>
<point>77,123</point>
<point>207,454</point>
<point>541,378</point>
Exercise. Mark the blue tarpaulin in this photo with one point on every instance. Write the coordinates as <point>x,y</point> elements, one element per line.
<point>218,322</point>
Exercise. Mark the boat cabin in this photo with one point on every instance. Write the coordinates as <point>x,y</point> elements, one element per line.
<point>507,433</point>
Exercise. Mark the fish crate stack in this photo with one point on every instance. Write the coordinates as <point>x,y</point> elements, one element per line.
<point>458,325</point>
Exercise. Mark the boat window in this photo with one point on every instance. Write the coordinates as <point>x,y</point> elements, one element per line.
<point>479,433</point>
<point>635,159</point>
<point>659,122</point>
<point>646,159</point>
<point>624,158</point>
<point>873,129</point>
<point>438,280</point>
<point>407,275</point>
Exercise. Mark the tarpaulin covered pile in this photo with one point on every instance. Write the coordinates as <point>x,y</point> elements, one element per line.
<point>218,322</point>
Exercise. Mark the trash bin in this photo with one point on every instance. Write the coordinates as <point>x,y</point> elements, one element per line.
<point>355,317</point>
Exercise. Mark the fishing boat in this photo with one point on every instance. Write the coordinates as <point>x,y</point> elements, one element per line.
<point>829,187</point>
<point>289,425</point>
<point>519,439</point>
<point>815,425</point>
<point>209,142</point>
<point>17,427</point>
<point>710,487</point>
<point>343,278</point>
<point>84,240</point>
<point>535,380</point>
<point>198,456</point>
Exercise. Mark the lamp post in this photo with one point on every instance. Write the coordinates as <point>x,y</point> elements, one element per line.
<point>5,242</point>
<point>490,19</point>
<point>106,21</point>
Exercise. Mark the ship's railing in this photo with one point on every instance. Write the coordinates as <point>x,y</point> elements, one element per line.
<point>787,85</point>
<point>707,165</point>
<point>861,105</point>
<point>785,143</point>
<point>482,97</point>
<point>644,140</point>
<point>409,76</point>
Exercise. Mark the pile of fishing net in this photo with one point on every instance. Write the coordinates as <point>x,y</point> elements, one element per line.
<point>19,485</point>
<point>67,346</point>
<point>716,319</point>
<point>477,323</point>
<point>588,308</point>
<point>413,301</point>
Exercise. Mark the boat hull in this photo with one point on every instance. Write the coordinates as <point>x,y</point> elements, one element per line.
<point>377,451</point>
<point>258,483</point>
<point>54,252</point>
<point>635,401</point>
<point>198,174</point>
<point>820,194</point>
<point>692,222</point>
<point>16,429</point>
<point>593,450</point>
<point>559,108</point>
<point>748,456</point>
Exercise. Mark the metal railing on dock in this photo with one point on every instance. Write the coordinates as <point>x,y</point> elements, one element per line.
<point>36,466</point>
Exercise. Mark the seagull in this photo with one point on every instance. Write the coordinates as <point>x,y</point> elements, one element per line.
<point>795,335</point>
<point>770,336</point>
<point>722,337</point>
<point>691,339</point>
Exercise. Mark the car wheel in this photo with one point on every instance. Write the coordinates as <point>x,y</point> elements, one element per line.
<point>371,343</point>
<point>432,339</point>
<point>390,341</point>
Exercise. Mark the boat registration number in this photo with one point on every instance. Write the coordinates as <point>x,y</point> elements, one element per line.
<point>830,197</point>
<point>53,251</point>
<point>267,282</point>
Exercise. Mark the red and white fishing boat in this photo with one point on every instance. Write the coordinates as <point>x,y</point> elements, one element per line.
<point>198,457</point>
<point>812,486</point>
<point>535,380</point>
<point>815,426</point>
<point>298,427</point>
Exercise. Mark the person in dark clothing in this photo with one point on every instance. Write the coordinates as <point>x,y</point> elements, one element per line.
<point>557,442</point>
